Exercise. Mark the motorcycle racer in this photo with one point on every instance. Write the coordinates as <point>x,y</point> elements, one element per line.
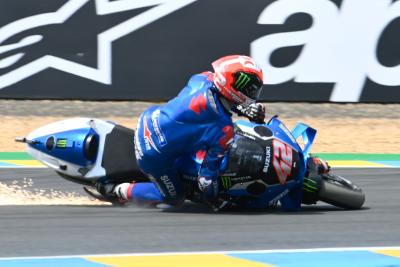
<point>196,122</point>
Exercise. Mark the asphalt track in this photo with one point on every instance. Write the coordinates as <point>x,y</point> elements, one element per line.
<point>77,230</point>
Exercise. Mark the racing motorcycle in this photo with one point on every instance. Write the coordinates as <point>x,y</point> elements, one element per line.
<point>266,165</point>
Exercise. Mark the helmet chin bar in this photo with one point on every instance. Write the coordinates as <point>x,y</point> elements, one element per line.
<point>246,103</point>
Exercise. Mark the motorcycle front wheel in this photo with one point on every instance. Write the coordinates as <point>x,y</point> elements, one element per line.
<point>340,192</point>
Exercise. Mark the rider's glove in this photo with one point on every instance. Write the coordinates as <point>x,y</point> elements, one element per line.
<point>255,112</point>
<point>204,183</point>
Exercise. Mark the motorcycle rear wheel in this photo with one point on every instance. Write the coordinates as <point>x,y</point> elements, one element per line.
<point>340,192</point>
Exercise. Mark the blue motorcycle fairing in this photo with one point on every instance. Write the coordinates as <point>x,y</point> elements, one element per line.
<point>308,134</point>
<point>280,131</point>
<point>287,195</point>
<point>290,193</point>
<point>68,145</point>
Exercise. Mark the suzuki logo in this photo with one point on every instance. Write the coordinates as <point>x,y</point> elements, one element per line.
<point>340,47</point>
<point>102,73</point>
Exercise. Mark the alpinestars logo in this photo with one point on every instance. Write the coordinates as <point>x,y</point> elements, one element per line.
<point>14,65</point>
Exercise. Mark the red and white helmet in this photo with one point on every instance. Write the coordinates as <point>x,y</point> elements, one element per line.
<point>238,79</point>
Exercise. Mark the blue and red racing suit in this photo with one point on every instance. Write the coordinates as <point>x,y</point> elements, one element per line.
<point>193,123</point>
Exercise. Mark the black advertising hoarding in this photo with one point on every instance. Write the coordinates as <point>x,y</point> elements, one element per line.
<point>310,50</point>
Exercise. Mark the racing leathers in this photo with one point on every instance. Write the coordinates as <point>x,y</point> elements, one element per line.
<point>193,123</point>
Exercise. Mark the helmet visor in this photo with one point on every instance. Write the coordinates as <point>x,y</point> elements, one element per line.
<point>248,84</point>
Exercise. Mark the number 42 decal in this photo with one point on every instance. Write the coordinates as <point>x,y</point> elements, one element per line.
<point>282,160</point>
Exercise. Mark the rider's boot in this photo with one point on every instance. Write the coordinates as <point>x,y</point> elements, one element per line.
<point>145,193</point>
<point>123,191</point>
<point>312,182</point>
<point>117,194</point>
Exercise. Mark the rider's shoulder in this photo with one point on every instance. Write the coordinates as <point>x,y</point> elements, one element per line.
<point>201,80</point>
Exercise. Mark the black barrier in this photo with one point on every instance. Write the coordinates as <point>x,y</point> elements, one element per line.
<point>310,50</point>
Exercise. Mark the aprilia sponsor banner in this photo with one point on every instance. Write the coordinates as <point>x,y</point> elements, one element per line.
<point>310,50</point>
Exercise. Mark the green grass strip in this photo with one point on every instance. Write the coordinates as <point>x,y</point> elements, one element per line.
<point>15,156</point>
<point>358,156</point>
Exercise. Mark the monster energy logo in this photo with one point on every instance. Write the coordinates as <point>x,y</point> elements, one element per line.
<point>310,185</point>
<point>242,80</point>
<point>61,143</point>
<point>226,182</point>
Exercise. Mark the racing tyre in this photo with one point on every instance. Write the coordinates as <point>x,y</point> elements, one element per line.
<point>340,192</point>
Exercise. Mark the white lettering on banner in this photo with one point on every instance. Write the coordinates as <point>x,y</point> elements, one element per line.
<point>102,73</point>
<point>340,47</point>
